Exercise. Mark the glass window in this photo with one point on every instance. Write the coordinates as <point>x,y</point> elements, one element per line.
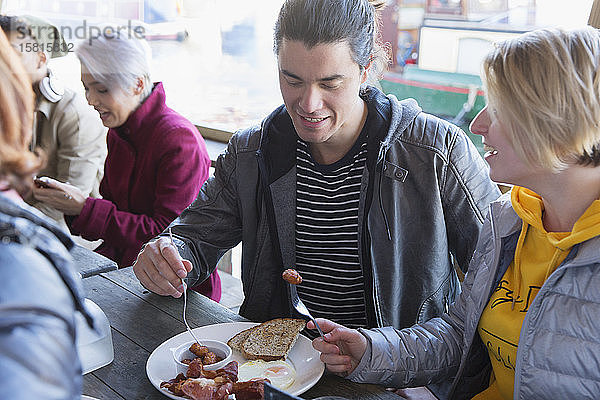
<point>214,57</point>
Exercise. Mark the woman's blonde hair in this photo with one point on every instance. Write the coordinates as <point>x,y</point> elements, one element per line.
<point>545,87</point>
<point>17,163</point>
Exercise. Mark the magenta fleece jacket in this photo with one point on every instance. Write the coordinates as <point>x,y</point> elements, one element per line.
<point>156,163</point>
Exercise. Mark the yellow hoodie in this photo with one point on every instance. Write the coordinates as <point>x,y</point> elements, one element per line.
<point>537,255</point>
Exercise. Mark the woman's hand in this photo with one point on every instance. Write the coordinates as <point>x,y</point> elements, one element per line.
<point>66,198</point>
<point>342,349</point>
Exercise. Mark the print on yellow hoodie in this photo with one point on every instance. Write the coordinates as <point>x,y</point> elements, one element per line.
<point>537,255</point>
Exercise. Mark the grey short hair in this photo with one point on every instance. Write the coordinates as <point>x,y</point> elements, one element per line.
<point>117,61</point>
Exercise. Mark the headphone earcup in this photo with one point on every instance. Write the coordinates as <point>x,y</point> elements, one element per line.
<point>51,88</point>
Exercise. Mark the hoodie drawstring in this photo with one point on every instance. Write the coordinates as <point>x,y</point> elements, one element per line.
<point>553,263</point>
<point>517,265</point>
<point>381,158</point>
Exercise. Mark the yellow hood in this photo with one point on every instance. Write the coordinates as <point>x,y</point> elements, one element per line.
<point>529,207</point>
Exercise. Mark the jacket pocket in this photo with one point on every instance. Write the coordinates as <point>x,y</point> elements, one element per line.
<point>439,301</point>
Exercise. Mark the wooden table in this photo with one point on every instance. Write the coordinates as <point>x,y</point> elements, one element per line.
<point>141,321</point>
<point>90,263</point>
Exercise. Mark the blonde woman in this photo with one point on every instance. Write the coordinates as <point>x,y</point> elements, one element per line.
<point>526,324</point>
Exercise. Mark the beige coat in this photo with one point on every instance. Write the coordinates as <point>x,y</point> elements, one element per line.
<point>72,135</point>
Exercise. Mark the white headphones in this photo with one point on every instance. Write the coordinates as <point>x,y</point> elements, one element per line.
<point>51,88</point>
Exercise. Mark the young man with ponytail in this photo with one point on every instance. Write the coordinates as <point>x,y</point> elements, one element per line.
<point>369,198</point>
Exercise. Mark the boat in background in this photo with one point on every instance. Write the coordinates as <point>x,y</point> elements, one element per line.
<point>453,96</point>
<point>438,47</point>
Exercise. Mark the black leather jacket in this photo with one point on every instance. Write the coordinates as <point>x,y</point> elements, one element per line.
<point>424,195</point>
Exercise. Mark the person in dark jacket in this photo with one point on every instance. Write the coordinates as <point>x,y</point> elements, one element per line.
<point>40,291</point>
<point>370,199</point>
<point>156,163</point>
<point>526,324</point>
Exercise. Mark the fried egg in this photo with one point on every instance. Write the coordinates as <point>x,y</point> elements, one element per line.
<point>280,373</point>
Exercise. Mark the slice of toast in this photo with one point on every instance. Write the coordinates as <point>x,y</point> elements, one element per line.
<point>272,340</point>
<point>237,342</point>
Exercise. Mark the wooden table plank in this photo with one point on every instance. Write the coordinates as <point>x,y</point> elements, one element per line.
<point>138,320</point>
<point>127,373</point>
<point>90,263</point>
<point>200,310</point>
<point>333,385</point>
<point>94,387</point>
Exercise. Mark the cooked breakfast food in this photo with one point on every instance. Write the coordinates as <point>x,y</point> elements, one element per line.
<point>272,340</point>
<point>237,341</point>
<point>266,345</point>
<point>250,390</point>
<point>199,350</point>
<point>292,276</point>
<point>201,384</point>
<point>280,373</point>
<point>203,355</point>
<point>269,341</point>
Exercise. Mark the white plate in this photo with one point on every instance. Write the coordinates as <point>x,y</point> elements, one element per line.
<point>161,367</point>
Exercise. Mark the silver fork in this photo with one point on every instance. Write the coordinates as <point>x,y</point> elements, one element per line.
<point>301,308</point>
<point>184,295</point>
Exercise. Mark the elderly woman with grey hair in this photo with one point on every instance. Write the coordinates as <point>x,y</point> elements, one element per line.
<point>157,161</point>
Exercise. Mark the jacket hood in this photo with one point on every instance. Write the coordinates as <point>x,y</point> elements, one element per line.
<point>25,225</point>
<point>529,206</point>
<point>402,115</point>
<point>277,132</point>
<point>528,210</point>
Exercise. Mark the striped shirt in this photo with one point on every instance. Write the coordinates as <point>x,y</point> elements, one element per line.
<point>327,198</point>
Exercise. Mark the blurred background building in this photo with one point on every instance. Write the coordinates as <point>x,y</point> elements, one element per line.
<point>216,60</point>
